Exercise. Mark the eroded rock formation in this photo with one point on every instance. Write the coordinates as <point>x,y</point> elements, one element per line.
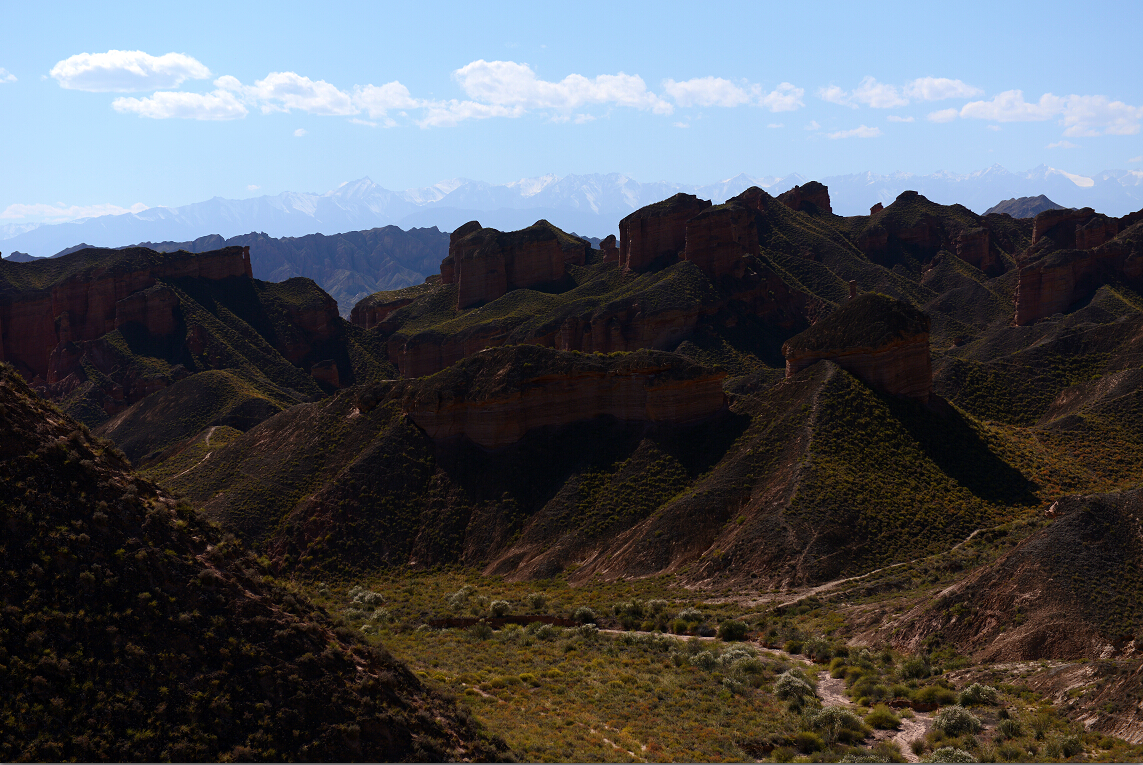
<point>720,237</point>
<point>85,295</point>
<point>812,197</point>
<point>485,263</point>
<point>882,340</point>
<point>496,397</point>
<point>657,230</point>
<point>1073,253</point>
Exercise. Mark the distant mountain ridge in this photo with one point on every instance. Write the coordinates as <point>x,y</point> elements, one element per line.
<point>1024,207</point>
<point>589,204</point>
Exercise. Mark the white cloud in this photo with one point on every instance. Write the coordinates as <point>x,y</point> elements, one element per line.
<point>284,91</point>
<point>125,71</point>
<point>898,118</point>
<point>219,105</point>
<point>813,125</point>
<point>994,128</point>
<point>450,113</point>
<point>6,76</point>
<point>857,132</point>
<point>835,95</point>
<point>710,91</point>
<point>300,132</point>
<point>511,86</point>
<point>680,124</point>
<point>581,119</point>
<point>878,94</point>
<point>1061,145</point>
<point>784,98</point>
<point>715,91</point>
<point>1136,159</point>
<point>376,100</point>
<point>367,123</point>
<point>252,187</point>
<point>1095,115</point>
<point>60,212</point>
<point>942,115</point>
<point>1080,115</point>
<point>939,88</point>
<point>1010,106</point>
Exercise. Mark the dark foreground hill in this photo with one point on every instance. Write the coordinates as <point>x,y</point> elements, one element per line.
<point>131,630</point>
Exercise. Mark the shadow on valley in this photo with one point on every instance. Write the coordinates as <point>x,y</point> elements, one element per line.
<point>949,439</point>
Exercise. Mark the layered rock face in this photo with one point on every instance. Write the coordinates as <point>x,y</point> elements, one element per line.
<point>609,249</point>
<point>720,237</point>
<point>485,263</point>
<point>975,246</point>
<point>496,397</point>
<point>85,303</point>
<point>810,198</point>
<point>368,314</point>
<point>1063,265</point>
<point>883,341</point>
<point>657,230</point>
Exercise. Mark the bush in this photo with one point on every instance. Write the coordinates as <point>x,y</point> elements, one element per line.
<point>882,717</point>
<point>949,754</point>
<point>916,668</point>
<point>1071,746</point>
<point>956,721</point>
<point>732,630</point>
<point>935,694</point>
<point>792,684</point>
<point>656,607</point>
<point>837,667</point>
<point>1010,729</point>
<point>691,615</point>
<point>817,649</point>
<point>584,615</point>
<point>480,631</point>
<point>834,721</point>
<point>807,741</point>
<point>705,660</point>
<point>536,601</point>
<point>459,599</point>
<point>977,694</point>
<point>500,607</point>
<point>793,647</point>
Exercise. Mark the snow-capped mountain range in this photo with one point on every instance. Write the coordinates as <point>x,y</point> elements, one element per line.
<point>590,205</point>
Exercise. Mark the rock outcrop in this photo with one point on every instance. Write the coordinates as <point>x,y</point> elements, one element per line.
<point>609,249</point>
<point>657,230</point>
<point>881,340</point>
<point>720,237</point>
<point>494,398</point>
<point>86,294</point>
<point>485,263</point>
<point>812,197</point>
<point>1058,271</point>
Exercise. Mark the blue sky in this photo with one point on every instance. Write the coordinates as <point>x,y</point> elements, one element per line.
<point>167,104</point>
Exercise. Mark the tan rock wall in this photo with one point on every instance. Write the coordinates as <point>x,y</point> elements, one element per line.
<point>902,368</point>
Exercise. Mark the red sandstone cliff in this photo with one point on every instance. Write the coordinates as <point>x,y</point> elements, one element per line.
<point>810,197</point>
<point>718,239</point>
<point>496,397</point>
<point>485,263</point>
<point>883,341</point>
<point>657,230</point>
<point>1073,253</point>
<point>78,302</point>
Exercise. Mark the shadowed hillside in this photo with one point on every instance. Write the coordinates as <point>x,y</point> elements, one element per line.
<point>132,630</point>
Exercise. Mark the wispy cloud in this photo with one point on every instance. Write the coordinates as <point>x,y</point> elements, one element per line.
<point>126,71</point>
<point>880,95</point>
<point>253,187</point>
<point>299,133</point>
<point>512,85</point>
<point>942,115</point>
<point>898,118</point>
<point>812,125</point>
<point>1080,115</point>
<point>6,76</point>
<point>1136,159</point>
<point>218,105</point>
<point>858,132</point>
<point>1061,145</point>
<point>286,91</point>
<point>60,212</point>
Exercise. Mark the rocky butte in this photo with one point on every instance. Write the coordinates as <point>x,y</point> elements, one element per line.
<point>879,339</point>
<point>1072,253</point>
<point>657,230</point>
<point>84,295</point>
<point>495,397</point>
<point>485,263</point>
